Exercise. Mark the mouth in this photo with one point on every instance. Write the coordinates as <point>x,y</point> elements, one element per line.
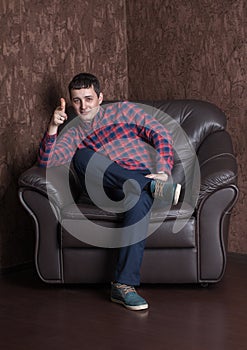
<point>85,112</point>
<point>85,115</point>
<point>89,113</point>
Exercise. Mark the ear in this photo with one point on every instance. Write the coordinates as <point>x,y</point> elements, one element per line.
<point>100,98</point>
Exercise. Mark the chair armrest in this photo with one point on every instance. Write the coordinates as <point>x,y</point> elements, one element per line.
<point>59,184</point>
<point>218,164</point>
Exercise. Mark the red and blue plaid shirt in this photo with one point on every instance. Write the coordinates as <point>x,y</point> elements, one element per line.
<point>122,131</point>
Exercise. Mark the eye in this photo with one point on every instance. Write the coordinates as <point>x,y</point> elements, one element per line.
<point>76,100</point>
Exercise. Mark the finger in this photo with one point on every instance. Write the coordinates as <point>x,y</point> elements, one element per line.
<point>162,177</point>
<point>151,176</point>
<point>59,119</point>
<point>62,104</point>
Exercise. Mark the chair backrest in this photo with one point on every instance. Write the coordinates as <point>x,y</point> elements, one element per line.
<point>197,118</point>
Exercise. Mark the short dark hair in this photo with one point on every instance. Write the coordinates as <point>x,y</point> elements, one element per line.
<point>84,81</point>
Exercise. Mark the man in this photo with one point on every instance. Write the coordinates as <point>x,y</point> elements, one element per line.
<point>132,153</point>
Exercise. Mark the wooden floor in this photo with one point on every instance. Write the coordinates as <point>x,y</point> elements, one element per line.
<point>37,316</point>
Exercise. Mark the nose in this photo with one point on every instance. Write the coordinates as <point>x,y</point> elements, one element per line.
<point>83,105</point>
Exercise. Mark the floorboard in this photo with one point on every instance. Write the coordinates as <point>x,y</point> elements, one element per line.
<point>37,316</point>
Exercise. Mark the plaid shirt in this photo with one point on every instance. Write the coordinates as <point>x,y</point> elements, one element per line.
<point>121,131</point>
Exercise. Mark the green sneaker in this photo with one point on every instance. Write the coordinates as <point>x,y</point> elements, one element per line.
<point>127,296</point>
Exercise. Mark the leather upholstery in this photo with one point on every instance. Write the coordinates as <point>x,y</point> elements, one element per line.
<point>195,254</point>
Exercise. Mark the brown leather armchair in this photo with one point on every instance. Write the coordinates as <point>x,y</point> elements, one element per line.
<point>193,252</point>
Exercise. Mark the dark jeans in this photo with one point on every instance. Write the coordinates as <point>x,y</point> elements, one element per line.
<point>131,189</point>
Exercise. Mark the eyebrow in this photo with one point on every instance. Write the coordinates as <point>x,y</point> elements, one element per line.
<point>77,97</point>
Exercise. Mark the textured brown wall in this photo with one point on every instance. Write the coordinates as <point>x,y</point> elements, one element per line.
<point>195,49</point>
<point>43,44</point>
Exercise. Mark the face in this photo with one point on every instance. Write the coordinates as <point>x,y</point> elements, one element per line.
<point>86,102</point>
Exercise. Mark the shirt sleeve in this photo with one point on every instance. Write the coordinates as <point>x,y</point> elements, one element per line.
<point>55,150</point>
<point>153,132</point>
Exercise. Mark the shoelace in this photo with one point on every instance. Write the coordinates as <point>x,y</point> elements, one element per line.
<point>159,185</point>
<point>126,289</point>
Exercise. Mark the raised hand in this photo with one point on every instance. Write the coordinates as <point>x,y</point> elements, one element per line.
<point>58,118</point>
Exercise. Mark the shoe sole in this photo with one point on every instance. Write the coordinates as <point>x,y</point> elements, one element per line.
<point>177,194</point>
<point>133,308</point>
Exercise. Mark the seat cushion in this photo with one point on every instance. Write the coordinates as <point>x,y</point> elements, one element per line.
<point>84,209</point>
<point>167,229</point>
